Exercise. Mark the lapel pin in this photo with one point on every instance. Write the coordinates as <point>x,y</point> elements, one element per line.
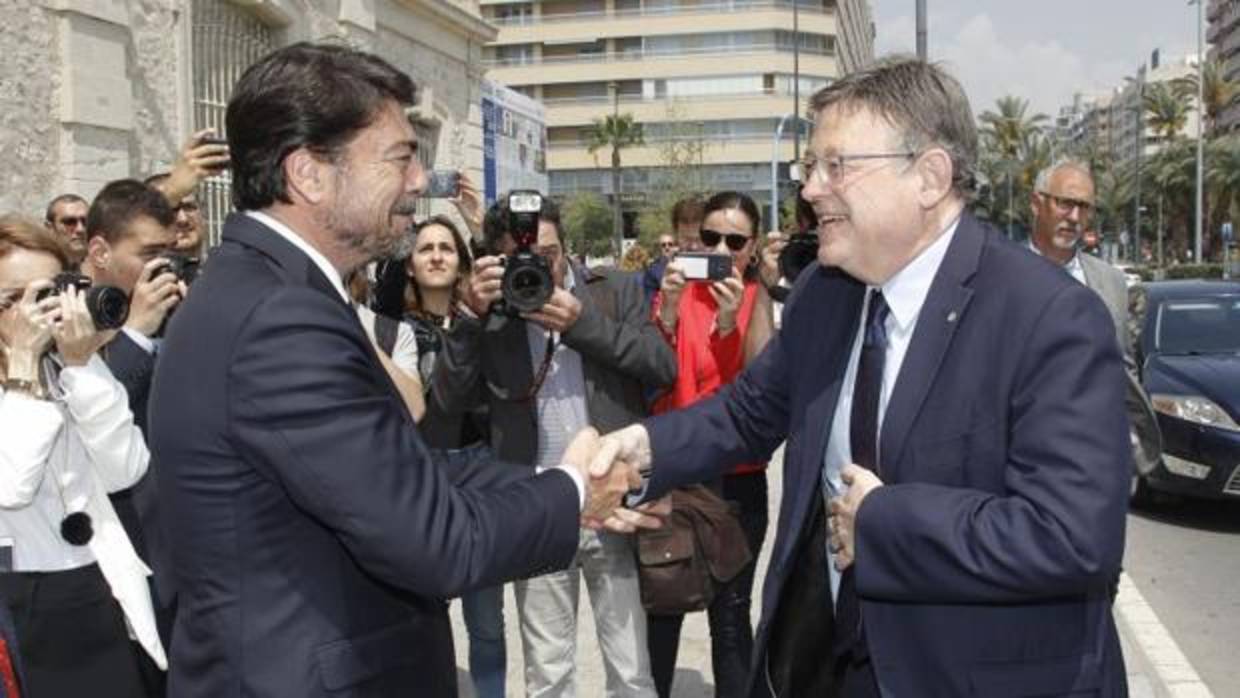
<point>951,317</point>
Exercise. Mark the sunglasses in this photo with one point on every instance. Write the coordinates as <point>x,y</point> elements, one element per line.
<point>71,221</point>
<point>711,238</point>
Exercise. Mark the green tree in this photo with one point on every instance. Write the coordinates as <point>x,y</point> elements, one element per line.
<point>616,132</point>
<point>587,224</point>
<point>1217,92</point>
<point>1013,148</point>
<point>1166,106</point>
<point>681,150</point>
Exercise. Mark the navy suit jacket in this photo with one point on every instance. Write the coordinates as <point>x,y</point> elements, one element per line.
<point>314,541</point>
<point>985,564</point>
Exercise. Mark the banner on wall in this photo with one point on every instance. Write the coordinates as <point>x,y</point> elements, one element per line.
<point>514,142</point>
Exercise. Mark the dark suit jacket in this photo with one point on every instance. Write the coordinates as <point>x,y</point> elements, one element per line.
<point>138,507</point>
<point>984,565</point>
<point>622,354</point>
<point>315,539</point>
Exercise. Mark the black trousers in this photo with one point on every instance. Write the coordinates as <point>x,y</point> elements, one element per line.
<point>731,631</point>
<point>72,635</point>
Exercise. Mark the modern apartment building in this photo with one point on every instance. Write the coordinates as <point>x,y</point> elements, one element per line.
<point>719,73</point>
<point>1127,104</point>
<point>1223,34</point>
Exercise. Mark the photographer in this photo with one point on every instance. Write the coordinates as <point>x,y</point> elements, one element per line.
<point>203,155</point>
<point>580,358</point>
<point>130,245</point>
<point>76,587</point>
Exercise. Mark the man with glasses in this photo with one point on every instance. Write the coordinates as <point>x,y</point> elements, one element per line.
<point>66,216</point>
<point>1062,203</point>
<point>686,222</point>
<point>956,458</point>
<point>199,158</point>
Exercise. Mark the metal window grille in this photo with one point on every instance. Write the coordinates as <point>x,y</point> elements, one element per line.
<point>226,41</point>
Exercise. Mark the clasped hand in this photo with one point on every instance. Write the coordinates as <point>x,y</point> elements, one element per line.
<point>611,466</point>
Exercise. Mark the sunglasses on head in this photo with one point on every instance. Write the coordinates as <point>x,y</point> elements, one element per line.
<point>735,242</point>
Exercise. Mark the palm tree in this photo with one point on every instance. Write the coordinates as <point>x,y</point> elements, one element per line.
<point>1166,106</point>
<point>1011,139</point>
<point>1217,91</point>
<point>1223,179</point>
<point>617,132</point>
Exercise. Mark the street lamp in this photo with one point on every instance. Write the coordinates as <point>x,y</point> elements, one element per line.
<point>921,30</point>
<point>617,220</point>
<point>779,134</point>
<point>1201,117</point>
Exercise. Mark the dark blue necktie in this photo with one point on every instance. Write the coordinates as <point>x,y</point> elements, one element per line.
<point>863,442</point>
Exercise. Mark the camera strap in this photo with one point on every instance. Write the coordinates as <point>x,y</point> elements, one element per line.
<point>540,376</point>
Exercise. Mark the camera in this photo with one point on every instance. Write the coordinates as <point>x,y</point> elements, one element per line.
<point>705,266</point>
<point>800,252</point>
<point>443,184</point>
<point>802,248</point>
<point>527,284</point>
<point>108,305</point>
<point>180,266</point>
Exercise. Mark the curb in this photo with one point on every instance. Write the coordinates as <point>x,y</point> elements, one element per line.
<point>1156,653</point>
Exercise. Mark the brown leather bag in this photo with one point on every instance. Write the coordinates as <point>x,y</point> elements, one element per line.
<point>699,548</point>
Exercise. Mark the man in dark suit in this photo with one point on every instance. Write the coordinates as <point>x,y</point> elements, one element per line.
<point>315,541</point>
<point>962,405</point>
<point>129,234</point>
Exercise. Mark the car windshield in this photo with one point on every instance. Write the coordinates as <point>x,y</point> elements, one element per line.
<point>1209,325</point>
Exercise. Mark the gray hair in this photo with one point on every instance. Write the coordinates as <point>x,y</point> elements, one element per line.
<point>1043,180</point>
<point>921,101</point>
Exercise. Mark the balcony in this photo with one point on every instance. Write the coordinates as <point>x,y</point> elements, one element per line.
<point>642,55</point>
<point>648,12</point>
<point>749,105</point>
<point>734,149</point>
<point>592,26</point>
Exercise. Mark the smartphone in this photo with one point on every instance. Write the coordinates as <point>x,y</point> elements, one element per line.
<point>705,266</point>
<point>212,140</point>
<point>443,184</point>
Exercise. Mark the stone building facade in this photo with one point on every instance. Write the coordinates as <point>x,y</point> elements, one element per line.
<point>96,90</point>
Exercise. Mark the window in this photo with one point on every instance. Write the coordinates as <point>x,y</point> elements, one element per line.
<point>226,40</point>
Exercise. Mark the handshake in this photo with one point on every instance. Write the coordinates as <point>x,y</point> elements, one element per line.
<point>612,466</point>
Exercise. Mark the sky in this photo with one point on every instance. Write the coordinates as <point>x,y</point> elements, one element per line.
<point>1045,50</point>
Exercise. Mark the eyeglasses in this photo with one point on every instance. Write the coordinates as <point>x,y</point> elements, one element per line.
<point>187,206</point>
<point>667,245</point>
<point>1065,205</point>
<point>72,221</point>
<point>711,238</point>
<point>832,168</point>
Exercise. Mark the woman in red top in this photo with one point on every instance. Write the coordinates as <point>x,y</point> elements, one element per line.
<point>716,328</point>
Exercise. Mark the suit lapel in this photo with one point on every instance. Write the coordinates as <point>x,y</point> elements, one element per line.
<point>941,314</point>
<point>297,268</point>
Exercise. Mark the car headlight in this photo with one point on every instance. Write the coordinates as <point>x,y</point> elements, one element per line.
<point>1193,408</point>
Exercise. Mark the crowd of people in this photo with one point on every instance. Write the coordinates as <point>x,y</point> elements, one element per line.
<point>270,473</point>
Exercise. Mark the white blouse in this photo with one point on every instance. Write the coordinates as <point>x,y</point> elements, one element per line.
<point>62,457</point>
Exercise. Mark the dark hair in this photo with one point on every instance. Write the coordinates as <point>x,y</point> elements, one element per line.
<point>921,101</point>
<point>688,210</point>
<point>495,222</point>
<point>120,202</point>
<point>729,200</point>
<point>313,96</point>
<point>735,200</point>
<point>465,264</point>
<point>18,233</point>
<point>62,199</point>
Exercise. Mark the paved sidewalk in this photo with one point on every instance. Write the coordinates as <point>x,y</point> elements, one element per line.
<point>694,678</point>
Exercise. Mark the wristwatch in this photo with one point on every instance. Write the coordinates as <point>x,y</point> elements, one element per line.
<point>20,385</point>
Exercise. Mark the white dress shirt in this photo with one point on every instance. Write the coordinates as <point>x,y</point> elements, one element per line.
<point>62,457</point>
<point>1072,266</point>
<point>905,292</point>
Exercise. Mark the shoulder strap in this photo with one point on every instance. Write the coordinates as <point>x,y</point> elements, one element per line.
<point>385,333</point>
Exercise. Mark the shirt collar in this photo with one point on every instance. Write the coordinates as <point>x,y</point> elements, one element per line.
<point>333,275</point>
<point>1072,266</point>
<point>906,291</point>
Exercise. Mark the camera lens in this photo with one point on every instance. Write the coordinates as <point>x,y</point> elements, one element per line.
<point>527,284</point>
<point>108,306</point>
